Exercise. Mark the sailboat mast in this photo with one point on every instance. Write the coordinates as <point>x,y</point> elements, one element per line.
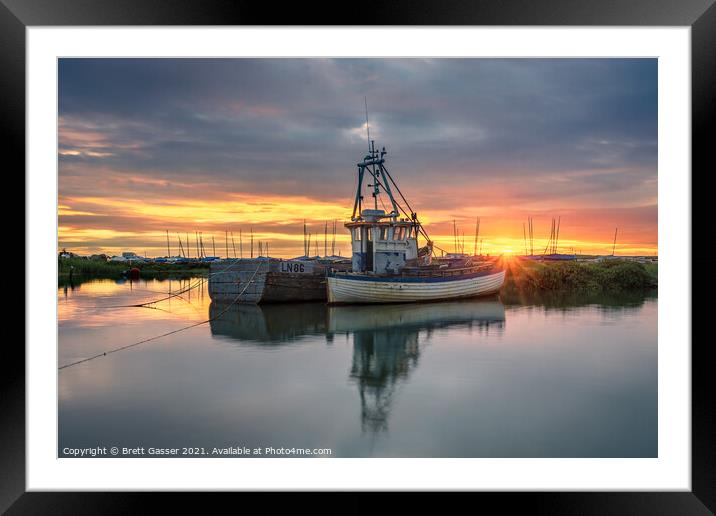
<point>614,245</point>
<point>556,243</point>
<point>333,240</point>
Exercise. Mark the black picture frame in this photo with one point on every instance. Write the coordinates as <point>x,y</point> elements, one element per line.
<point>700,15</point>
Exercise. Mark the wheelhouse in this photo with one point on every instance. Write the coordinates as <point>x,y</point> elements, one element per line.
<point>382,246</point>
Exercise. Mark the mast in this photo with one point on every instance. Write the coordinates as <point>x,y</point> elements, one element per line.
<point>556,244</point>
<point>373,164</point>
<point>367,125</point>
<point>614,245</point>
<point>333,240</point>
<point>181,247</point>
<point>477,234</point>
<point>382,183</point>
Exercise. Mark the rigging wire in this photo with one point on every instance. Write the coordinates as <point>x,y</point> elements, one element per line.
<point>412,215</point>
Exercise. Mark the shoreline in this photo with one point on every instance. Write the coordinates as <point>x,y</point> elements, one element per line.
<point>615,275</point>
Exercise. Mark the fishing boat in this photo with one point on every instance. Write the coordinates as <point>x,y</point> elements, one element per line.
<point>387,264</point>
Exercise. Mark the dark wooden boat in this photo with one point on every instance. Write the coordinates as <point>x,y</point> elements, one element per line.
<point>270,280</point>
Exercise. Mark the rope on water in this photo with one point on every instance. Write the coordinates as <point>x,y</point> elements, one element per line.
<point>171,295</point>
<point>182,291</point>
<point>115,350</point>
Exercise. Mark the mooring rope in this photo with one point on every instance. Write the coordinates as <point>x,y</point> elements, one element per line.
<point>115,350</point>
<point>182,291</point>
<point>170,296</point>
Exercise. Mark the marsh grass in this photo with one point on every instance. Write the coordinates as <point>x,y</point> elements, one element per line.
<point>101,268</point>
<point>606,276</point>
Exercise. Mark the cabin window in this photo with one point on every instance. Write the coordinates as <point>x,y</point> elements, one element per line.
<point>369,233</point>
<point>356,234</point>
<point>384,233</point>
<point>400,233</point>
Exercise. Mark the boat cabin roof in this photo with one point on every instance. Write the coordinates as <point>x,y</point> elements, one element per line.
<point>381,223</point>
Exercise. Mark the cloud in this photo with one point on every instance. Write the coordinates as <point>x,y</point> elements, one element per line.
<point>463,135</point>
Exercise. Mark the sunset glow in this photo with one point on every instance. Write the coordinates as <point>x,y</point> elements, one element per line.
<point>258,147</point>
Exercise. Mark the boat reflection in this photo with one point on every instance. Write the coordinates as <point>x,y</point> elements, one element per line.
<point>387,339</point>
<point>267,324</point>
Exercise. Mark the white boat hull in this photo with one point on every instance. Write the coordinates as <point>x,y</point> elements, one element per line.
<point>349,288</point>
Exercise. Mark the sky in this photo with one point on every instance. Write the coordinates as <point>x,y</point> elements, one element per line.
<point>223,146</point>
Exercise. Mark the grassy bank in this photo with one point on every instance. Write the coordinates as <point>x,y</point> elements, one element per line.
<point>100,268</point>
<point>590,277</point>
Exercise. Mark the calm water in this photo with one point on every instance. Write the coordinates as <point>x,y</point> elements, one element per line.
<point>501,377</point>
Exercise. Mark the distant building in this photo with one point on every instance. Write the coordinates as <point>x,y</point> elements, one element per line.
<point>66,254</point>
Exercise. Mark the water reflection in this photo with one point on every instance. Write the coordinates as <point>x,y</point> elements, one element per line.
<point>267,324</point>
<point>525,375</point>
<point>555,300</point>
<point>387,339</point>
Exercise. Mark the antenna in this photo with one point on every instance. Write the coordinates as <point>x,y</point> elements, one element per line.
<point>367,126</point>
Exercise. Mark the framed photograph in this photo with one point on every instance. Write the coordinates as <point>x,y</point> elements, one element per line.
<point>449,252</point>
